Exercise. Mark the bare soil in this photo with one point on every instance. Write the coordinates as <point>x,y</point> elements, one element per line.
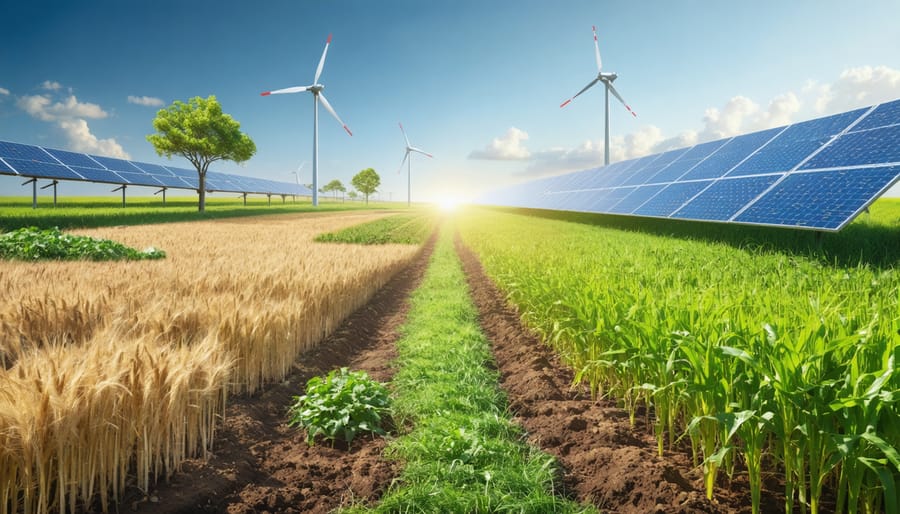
<point>261,465</point>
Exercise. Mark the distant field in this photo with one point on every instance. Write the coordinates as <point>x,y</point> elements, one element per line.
<point>86,212</point>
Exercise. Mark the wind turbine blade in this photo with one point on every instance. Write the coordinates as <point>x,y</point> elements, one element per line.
<point>423,152</point>
<point>404,134</point>
<point>331,110</point>
<point>297,89</point>
<point>582,91</point>
<point>405,156</point>
<point>322,60</point>
<point>617,95</point>
<point>596,49</point>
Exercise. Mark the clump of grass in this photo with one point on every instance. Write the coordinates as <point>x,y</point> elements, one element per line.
<point>401,228</point>
<point>340,406</point>
<point>32,243</point>
<point>462,453</point>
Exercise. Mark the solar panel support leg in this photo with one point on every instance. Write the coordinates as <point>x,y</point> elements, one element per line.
<point>122,187</point>
<point>283,198</point>
<point>270,198</point>
<point>53,185</point>
<point>245,199</point>
<point>163,191</point>
<point>33,183</point>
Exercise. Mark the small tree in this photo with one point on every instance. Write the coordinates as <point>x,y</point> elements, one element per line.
<point>334,186</point>
<point>352,195</point>
<point>366,182</point>
<point>200,132</point>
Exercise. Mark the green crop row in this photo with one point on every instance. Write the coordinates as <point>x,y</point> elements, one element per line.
<point>459,448</point>
<point>399,228</point>
<point>765,360</point>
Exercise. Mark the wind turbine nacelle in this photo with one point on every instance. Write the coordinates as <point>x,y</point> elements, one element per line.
<point>316,88</point>
<point>608,76</point>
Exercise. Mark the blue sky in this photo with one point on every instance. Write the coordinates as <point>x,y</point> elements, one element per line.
<point>476,83</point>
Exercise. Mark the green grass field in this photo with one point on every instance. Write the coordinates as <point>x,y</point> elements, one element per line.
<point>87,212</point>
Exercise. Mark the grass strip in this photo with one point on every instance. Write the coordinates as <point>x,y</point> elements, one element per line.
<point>91,212</point>
<point>461,451</point>
<point>400,228</point>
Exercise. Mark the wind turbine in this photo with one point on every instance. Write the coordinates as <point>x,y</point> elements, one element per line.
<point>296,174</point>
<point>409,149</point>
<point>316,89</point>
<point>607,79</point>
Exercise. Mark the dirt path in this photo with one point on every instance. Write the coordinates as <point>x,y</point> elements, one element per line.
<point>260,465</point>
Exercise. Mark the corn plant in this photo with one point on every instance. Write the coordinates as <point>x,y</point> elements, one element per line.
<point>762,352</point>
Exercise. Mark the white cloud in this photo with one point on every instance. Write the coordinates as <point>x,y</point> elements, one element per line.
<point>69,115</point>
<point>856,87</point>
<point>505,148</point>
<point>82,140</point>
<point>51,85</point>
<point>42,108</point>
<point>4,91</point>
<point>147,101</point>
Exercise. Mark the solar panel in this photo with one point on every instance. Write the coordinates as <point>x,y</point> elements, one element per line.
<point>37,162</point>
<point>817,174</point>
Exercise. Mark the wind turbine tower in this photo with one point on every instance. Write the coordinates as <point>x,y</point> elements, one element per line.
<point>607,79</point>
<point>316,89</point>
<point>408,161</point>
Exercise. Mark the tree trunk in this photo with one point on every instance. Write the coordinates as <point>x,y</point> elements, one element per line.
<point>202,192</point>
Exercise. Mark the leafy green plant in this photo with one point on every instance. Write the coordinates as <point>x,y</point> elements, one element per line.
<point>32,243</point>
<point>340,406</point>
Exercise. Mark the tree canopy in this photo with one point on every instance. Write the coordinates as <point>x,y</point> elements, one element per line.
<point>335,186</point>
<point>200,132</point>
<point>366,182</point>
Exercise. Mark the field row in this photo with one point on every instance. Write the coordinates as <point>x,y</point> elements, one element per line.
<point>766,361</point>
<point>107,364</point>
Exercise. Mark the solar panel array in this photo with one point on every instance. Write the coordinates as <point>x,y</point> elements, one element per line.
<point>818,174</point>
<point>49,163</point>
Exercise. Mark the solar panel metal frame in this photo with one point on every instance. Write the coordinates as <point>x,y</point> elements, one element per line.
<point>750,160</point>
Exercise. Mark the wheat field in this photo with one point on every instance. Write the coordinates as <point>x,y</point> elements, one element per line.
<point>116,368</point>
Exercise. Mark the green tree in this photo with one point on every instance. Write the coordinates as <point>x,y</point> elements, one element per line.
<point>334,186</point>
<point>352,194</point>
<point>366,182</point>
<point>200,132</point>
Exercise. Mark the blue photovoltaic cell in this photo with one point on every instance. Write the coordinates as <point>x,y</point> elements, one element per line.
<point>876,146</point>
<point>671,198</point>
<point>5,169</point>
<point>794,144</point>
<point>194,183</point>
<point>636,166</point>
<point>30,168</point>
<point>687,161</point>
<point>24,152</point>
<point>634,200</point>
<point>820,199</point>
<point>97,175</point>
<point>725,198</point>
<point>181,172</point>
<point>153,169</point>
<point>169,180</point>
<point>139,178</point>
<point>730,154</point>
<point>651,169</point>
<point>114,164</point>
<point>73,159</point>
<point>611,198</point>
<point>883,115</point>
